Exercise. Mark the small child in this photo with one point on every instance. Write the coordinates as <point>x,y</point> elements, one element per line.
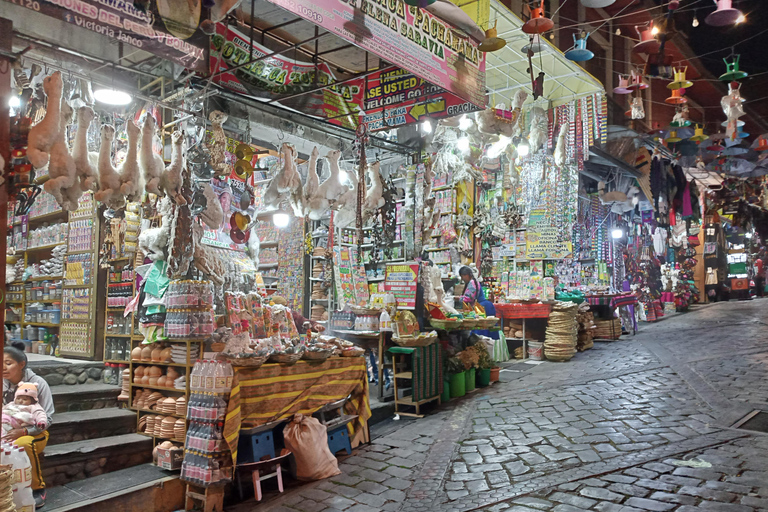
<point>25,411</point>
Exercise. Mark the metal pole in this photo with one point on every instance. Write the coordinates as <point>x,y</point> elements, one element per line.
<point>6,40</point>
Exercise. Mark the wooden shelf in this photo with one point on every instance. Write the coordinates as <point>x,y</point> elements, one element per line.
<point>159,388</point>
<point>269,265</point>
<point>404,375</point>
<point>155,363</point>
<point>40,324</point>
<point>161,437</point>
<point>44,247</point>
<point>116,361</point>
<point>150,411</point>
<point>108,335</point>
<point>45,278</point>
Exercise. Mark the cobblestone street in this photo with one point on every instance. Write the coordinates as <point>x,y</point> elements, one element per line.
<point>643,423</point>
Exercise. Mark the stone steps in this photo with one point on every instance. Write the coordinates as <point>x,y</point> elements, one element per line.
<point>91,424</point>
<point>84,397</point>
<point>67,462</point>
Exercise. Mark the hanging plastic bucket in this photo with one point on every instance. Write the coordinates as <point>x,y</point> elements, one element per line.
<point>446,391</point>
<point>536,350</point>
<point>483,377</point>
<point>495,374</point>
<point>457,384</point>
<point>470,376</point>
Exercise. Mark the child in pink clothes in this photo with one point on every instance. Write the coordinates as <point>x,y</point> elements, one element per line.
<point>25,411</point>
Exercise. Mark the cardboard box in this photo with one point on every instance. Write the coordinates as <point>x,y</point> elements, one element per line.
<point>170,458</point>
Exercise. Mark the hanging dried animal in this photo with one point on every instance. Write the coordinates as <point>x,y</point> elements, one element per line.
<point>512,216</point>
<point>560,150</point>
<point>373,197</point>
<point>170,180</point>
<point>315,205</point>
<point>286,184</point>
<point>254,248</point>
<point>131,185</point>
<point>347,204</point>
<point>153,242</point>
<point>538,134</point>
<point>43,135</point>
<point>61,167</point>
<point>151,163</point>
<point>182,247</point>
<point>206,260</point>
<point>109,179</point>
<point>86,162</point>
<point>213,214</point>
<point>610,197</point>
<point>216,150</point>
<point>332,189</point>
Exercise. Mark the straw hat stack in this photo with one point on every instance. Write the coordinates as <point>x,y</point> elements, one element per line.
<point>180,430</point>
<point>585,318</point>
<point>607,329</point>
<point>562,331</point>
<point>181,406</point>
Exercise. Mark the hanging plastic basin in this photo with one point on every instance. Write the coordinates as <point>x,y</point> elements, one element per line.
<point>458,385</point>
<point>470,376</point>
<point>495,374</point>
<point>483,377</point>
<point>446,391</point>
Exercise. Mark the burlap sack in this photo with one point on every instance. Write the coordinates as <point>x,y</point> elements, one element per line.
<point>307,438</point>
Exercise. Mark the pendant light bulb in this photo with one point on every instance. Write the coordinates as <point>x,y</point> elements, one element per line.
<point>654,31</point>
<point>281,220</point>
<point>617,233</point>
<point>463,144</point>
<point>618,31</point>
<point>695,22</point>
<point>426,126</point>
<point>343,176</point>
<point>465,123</point>
<point>741,19</point>
<point>523,149</point>
<point>112,97</point>
<point>14,102</point>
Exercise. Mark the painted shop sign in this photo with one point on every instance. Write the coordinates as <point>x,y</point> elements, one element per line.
<point>416,40</point>
<point>166,29</point>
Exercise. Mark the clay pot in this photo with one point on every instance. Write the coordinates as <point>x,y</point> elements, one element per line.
<point>165,355</point>
<point>146,354</point>
<point>157,355</point>
<point>152,381</point>
<point>139,371</point>
<point>136,354</point>
<point>155,371</point>
<point>145,379</point>
<point>172,374</point>
<point>161,381</point>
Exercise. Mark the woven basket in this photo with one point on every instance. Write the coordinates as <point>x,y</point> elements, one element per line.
<point>487,323</point>
<point>415,342</point>
<point>469,323</point>
<point>365,311</point>
<point>445,325</point>
<point>353,352</point>
<point>286,359</point>
<point>316,355</point>
<point>249,362</point>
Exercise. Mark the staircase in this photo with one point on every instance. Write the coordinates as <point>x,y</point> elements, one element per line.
<point>92,439</point>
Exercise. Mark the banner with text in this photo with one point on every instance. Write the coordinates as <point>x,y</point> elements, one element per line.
<point>543,241</point>
<point>416,40</point>
<point>402,280</point>
<point>168,28</point>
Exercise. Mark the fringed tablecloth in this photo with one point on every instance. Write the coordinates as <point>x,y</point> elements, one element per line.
<point>275,392</point>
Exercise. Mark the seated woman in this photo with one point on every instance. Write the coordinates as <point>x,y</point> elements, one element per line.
<point>32,439</point>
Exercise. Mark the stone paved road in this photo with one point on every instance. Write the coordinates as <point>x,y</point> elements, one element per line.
<point>608,431</point>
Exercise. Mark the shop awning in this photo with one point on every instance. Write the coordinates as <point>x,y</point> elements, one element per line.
<point>506,69</point>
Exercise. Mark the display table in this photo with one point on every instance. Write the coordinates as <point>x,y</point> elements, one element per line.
<point>599,303</point>
<point>276,392</point>
<point>426,376</point>
<point>522,312</point>
<point>367,340</point>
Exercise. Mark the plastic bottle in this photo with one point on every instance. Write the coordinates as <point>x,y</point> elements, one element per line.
<point>194,384</point>
<point>208,374</point>
<point>26,467</point>
<point>220,378</point>
<point>230,374</point>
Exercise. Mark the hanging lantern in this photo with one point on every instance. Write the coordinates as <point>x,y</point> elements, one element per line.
<point>724,15</point>
<point>732,71</point>
<point>673,137</point>
<point>579,52</point>
<point>762,144</point>
<point>739,123</point>
<point>716,148</point>
<point>533,46</point>
<point>698,135</point>
<point>648,43</point>
<point>623,87</point>
<point>538,24</point>
<point>638,82</point>
<point>677,97</point>
<point>597,4</point>
<point>492,41</point>
<point>680,82</point>
<point>742,135</point>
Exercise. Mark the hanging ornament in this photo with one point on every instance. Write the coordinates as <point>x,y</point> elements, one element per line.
<point>677,97</point>
<point>732,71</point>
<point>534,45</point>
<point>638,111</point>
<point>492,42</point>
<point>638,82</point>
<point>623,87</point>
<point>681,118</point>
<point>680,82</point>
<point>579,52</point>
<point>648,43</point>
<point>715,148</point>
<point>597,4</point>
<point>672,138</point>
<point>762,144</point>
<point>538,24</point>
<point>724,15</point>
<point>698,135</point>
